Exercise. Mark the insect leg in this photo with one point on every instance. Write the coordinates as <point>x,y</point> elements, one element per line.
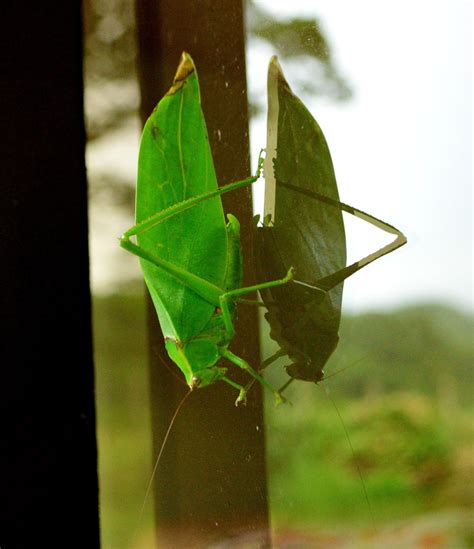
<point>179,207</point>
<point>241,363</point>
<point>285,385</point>
<point>270,360</point>
<point>337,277</point>
<point>230,330</point>
<point>200,286</point>
<point>228,296</point>
<point>204,288</point>
<point>251,302</point>
<point>242,398</point>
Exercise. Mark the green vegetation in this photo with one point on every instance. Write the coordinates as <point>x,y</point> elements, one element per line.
<point>425,348</point>
<point>405,406</point>
<point>408,450</point>
<point>123,416</point>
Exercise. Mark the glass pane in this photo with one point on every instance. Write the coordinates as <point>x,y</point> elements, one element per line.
<point>385,457</point>
<point>375,455</point>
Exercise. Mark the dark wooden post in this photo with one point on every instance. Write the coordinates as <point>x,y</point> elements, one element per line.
<point>49,487</point>
<point>211,483</point>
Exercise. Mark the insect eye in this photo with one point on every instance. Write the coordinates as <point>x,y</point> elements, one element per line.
<point>217,311</point>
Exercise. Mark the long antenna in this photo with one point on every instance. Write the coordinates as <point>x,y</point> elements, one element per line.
<point>328,394</point>
<point>157,461</point>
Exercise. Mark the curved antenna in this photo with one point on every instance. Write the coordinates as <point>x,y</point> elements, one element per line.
<point>157,461</point>
<point>328,394</point>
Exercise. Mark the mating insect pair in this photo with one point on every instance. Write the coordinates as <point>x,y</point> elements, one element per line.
<point>192,259</point>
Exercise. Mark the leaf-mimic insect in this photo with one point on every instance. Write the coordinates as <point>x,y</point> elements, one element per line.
<point>190,257</point>
<point>303,228</point>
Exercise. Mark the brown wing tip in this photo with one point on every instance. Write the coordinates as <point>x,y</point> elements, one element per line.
<point>276,72</point>
<point>185,68</point>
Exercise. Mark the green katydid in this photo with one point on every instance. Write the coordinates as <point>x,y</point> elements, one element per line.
<point>303,227</point>
<point>190,257</point>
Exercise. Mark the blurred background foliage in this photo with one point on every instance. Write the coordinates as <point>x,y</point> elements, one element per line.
<point>405,392</point>
<point>407,413</point>
<point>110,51</point>
<point>112,95</point>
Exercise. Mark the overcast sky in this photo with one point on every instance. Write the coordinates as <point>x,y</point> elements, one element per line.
<point>402,147</point>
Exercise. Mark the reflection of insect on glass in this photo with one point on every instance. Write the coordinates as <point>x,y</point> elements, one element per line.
<point>190,257</point>
<point>303,228</point>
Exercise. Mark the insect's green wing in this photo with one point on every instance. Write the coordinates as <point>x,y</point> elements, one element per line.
<point>306,234</point>
<point>175,163</point>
